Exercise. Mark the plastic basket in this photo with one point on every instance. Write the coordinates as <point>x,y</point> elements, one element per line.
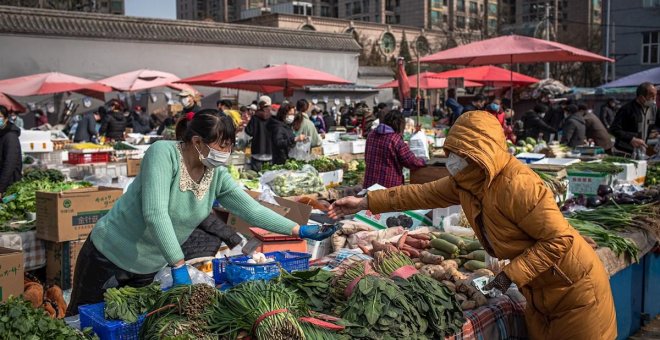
<point>92,316</point>
<point>86,158</point>
<point>236,269</point>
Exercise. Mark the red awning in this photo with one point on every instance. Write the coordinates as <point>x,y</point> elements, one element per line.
<point>489,75</point>
<point>142,80</point>
<point>427,81</point>
<point>209,79</point>
<point>51,83</point>
<point>11,104</point>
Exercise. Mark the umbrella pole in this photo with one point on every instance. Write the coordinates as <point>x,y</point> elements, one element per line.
<point>511,79</point>
<point>418,90</point>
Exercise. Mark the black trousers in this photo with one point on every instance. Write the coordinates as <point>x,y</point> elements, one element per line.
<point>94,274</point>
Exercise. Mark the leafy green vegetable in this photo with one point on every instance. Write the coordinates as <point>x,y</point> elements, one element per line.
<point>128,303</point>
<point>312,285</point>
<point>606,238</point>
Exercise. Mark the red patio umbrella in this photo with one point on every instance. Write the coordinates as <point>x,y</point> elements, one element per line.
<point>511,49</point>
<point>286,77</point>
<point>427,81</point>
<point>51,83</point>
<point>489,75</point>
<point>142,80</point>
<point>11,104</point>
<point>209,79</point>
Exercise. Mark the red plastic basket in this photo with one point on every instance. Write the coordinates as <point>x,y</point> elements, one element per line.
<point>86,158</point>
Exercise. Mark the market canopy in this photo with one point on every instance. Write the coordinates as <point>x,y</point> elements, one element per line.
<point>651,75</point>
<point>427,81</point>
<point>51,83</point>
<point>11,104</point>
<point>489,75</point>
<point>281,78</point>
<point>142,80</point>
<point>512,49</point>
<point>209,79</point>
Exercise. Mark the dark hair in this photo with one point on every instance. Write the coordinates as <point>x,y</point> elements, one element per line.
<point>207,124</point>
<point>451,92</point>
<point>302,105</point>
<point>3,111</point>
<point>381,106</point>
<point>283,111</point>
<point>540,108</point>
<point>297,121</point>
<point>243,108</point>
<point>643,89</point>
<point>224,102</point>
<point>582,107</point>
<point>479,98</point>
<point>395,120</point>
<point>572,108</point>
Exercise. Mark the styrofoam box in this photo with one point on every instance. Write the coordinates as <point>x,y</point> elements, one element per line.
<point>345,147</point>
<point>439,214</point>
<point>330,148</point>
<point>319,249</point>
<point>557,161</point>
<point>331,137</point>
<point>358,146</point>
<point>440,142</point>
<point>331,177</point>
<point>633,172</point>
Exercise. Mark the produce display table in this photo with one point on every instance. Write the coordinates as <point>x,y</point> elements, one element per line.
<point>613,263</point>
<point>502,318</point>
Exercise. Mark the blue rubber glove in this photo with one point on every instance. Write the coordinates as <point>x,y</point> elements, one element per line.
<point>314,232</point>
<point>180,276</point>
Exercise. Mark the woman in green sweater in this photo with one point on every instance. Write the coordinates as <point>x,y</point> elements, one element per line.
<point>172,194</point>
<point>304,126</point>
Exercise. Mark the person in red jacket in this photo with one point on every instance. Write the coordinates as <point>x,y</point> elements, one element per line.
<point>386,154</point>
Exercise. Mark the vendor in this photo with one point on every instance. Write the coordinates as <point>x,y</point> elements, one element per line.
<point>386,154</point>
<point>11,164</point>
<point>636,122</point>
<point>172,194</point>
<point>515,217</point>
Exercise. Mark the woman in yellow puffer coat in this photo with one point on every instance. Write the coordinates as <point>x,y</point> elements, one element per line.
<point>515,217</point>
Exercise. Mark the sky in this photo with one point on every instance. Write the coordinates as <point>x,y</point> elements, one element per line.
<point>163,9</point>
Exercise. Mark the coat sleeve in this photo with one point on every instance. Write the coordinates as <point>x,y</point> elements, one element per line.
<point>543,126</point>
<point>617,125</point>
<point>310,131</point>
<point>11,149</point>
<point>532,207</point>
<point>283,139</point>
<point>441,193</point>
<point>569,131</point>
<point>91,126</point>
<point>104,127</point>
<point>249,129</point>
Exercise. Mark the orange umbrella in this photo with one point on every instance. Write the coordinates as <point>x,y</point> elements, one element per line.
<point>11,104</point>
<point>50,83</point>
<point>489,75</point>
<point>427,81</point>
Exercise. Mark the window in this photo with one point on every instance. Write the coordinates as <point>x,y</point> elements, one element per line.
<point>444,2</point>
<point>357,7</point>
<point>460,5</point>
<point>460,21</point>
<point>436,4</point>
<point>365,6</point>
<point>445,18</point>
<point>650,3</point>
<point>475,24</point>
<point>492,24</point>
<point>481,8</point>
<point>473,7</point>
<point>651,47</point>
<point>492,8</point>
<point>436,18</point>
<point>325,11</point>
<point>377,18</point>
<point>349,8</point>
<point>387,43</point>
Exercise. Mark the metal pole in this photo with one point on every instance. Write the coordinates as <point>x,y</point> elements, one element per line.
<point>418,90</point>
<point>614,50</point>
<point>547,35</point>
<point>607,39</point>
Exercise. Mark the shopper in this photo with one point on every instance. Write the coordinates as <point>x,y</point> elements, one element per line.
<point>318,120</point>
<point>11,164</point>
<point>595,130</point>
<point>329,120</point>
<point>114,127</point>
<point>16,119</point>
<point>86,130</point>
<point>534,125</point>
<point>40,118</point>
<point>574,128</point>
<point>386,154</point>
<point>306,127</point>
<point>257,128</point>
<point>283,139</point>
<point>556,113</point>
<point>225,107</point>
<point>453,105</point>
<point>173,193</point>
<point>608,111</point>
<point>495,108</point>
<point>477,103</point>
<point>189,101</point>
<point>636,121</point>
<point>368,119</point>
<point>515,217</point>
<point>350,120</point>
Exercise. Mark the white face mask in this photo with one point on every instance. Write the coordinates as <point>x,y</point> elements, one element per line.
<point>289,119</point>
<point>214,159</point>
<point>649,103</point>
<point>455,164</point>
<point>186,101</point>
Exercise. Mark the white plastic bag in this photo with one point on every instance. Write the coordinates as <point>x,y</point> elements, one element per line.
<point>293,183</point>
<point>164,276</point>
<point>301,151</point>
<point>419,145</point>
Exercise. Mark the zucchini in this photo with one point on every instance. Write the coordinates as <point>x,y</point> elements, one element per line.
<point>473,265</point>
<point>440,252</point>
<point>479,255</point>
<point>474,245</point>
<point>453,239</point>
<point>445,246</point>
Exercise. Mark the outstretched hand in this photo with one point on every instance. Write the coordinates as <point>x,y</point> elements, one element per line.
<point>347,206</point>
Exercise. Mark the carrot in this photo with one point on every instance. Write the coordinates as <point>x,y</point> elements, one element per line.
<point>405,253</point>
<point>402,240</point>
<point>429,258</point>
<point>417,243</point>
<point>424,237</point>
<point>414,253</point>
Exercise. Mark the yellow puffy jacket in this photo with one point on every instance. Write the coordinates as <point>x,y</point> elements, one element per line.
<point>235,116</point>
<point>516,217</point>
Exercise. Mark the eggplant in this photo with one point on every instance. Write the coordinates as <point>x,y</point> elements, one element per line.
<point>392,222</point>
<point>581,200</point>
<point>604,189</point>
<point>594,201</point>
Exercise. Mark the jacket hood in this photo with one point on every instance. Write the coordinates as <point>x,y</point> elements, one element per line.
<point>577,117</point>
<point>10,128</point>
<point>383,129</point>
<point>264,114</point>
<point>478,135</point>
<point>118,115</point>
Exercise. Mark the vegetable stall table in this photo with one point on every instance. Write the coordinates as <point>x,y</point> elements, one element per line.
<point>502,318</point>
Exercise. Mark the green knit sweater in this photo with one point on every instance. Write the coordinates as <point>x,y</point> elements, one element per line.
<point>144,230</point>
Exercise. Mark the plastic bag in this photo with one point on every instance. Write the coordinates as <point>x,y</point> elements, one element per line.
<point>99,180</point>
<point>301,151</point>
<point>419,145</point>
<point>164,276</point>
<point>494,264</point>
<point>293,183</point>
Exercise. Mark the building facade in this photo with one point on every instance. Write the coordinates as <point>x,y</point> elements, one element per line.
<point>634,34</point>
<point>105,6</point>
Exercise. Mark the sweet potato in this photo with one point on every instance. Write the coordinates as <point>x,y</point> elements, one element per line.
<point>378,246</point>
<point>446,264</point>
<point>402,240</point>
<point>419,265</point>
<point>460,297</point>
<point>454,275</point>
<point>480,298</point>
<point>468,304</point>
<point>414,253</point>
<point>424,237</point>
<point>417,243</point>
<point>449,285</point>
<point>364,249</point>
<point>433,270</point>
<point>481,272</point>
<point>429,258</point>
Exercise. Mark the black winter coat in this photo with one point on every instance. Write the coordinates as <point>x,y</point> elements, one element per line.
<point>11,165</point>
<point>534,125</point>
<point>575,130</point>
<point>257,128</point>
<point>115,126</point>
<point>630,122</point>
<point>282,140</point>
<point>86,128</point>
<point>207,238</point>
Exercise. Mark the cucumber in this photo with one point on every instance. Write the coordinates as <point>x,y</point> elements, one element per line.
<point>474,245</point>
<point>473,265</point>
<point>479,255</point>
<point>440,252</point>
<point>445,246</point>
<point>453,239</point>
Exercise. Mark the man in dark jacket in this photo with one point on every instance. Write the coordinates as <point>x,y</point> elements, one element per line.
<point>477,103</point>
<point>556,114</point>
<point>608,111</point>
<point>453,105</point>
<point>574,128</point>
<point>115,125</point>
<point>636,121</point>
<point>86,130</point>
<point>140,119</point>
<point>595,130</point>
<point>534,125</point>
<point>11,165</point>
<point>257,128</point>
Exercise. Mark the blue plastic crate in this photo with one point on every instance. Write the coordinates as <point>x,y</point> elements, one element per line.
<point>236,269</point>
<point>93,316</point>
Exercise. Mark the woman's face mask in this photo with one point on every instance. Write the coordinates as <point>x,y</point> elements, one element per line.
<point>214,159</point>
<point>455,164</point>
<point>186,101</point>
<point>2,122</point>
<point>289,119</point>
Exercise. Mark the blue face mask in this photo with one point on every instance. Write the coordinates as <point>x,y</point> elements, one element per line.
<point>2,122</point>
<point>494,107</point>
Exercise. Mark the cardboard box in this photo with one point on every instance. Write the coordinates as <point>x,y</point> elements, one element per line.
<point>294,211</point>
<point>379,221</point>
<point>317,151</point>
<point>133,166</point>
<point>345,147</point>
<point>11,273</point>
<point>71,215</point>
<point>61,260</point>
